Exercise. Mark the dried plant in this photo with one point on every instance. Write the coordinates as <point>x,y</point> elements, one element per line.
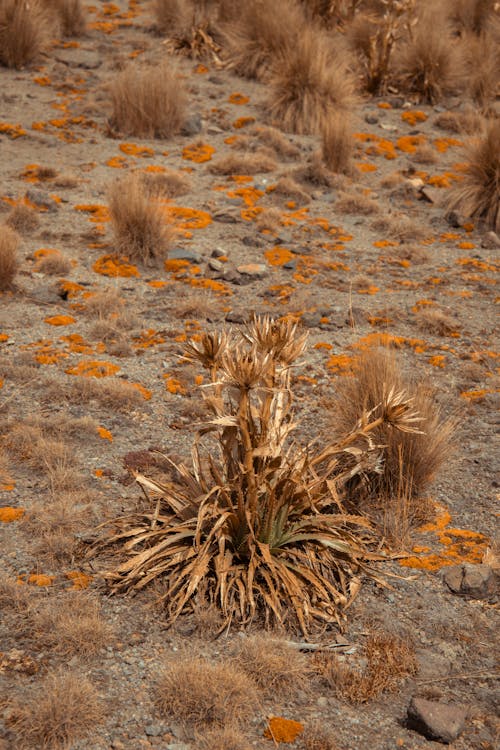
<point>23,219</point>
<point>276,140</point>
<point>337,143</point>
<point>478,195</point>
<point>257,523</point>
<point>167,184</point>
<point>55,264</point>
<point>472,15</point>
<point>317,737</point>
<point>310,82</point>
<point>195,32</point>
<point>25,31</point>
<point>198,693</point>
<point>70,14</point>
<point>148,102</point>
<point>482,57</point>
<point>9,244</point>
<point>171,15</point>
<point>467,121</point>
<point>140,228</point>
<point>251,163</point>
<point>412,459</point>
<point>228,738</point>
<point>63,708</point>
<point>272,664</point>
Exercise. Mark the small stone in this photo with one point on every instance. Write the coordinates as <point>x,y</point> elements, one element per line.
<point>371,119</point>
<point>226,217</point>
<point>256,270</point>
<point>250,241</point>
<point>215,265</point>
<point>42,199</point>
<point>155,730</point>
<point>178,746</point>
<point>455,219</point>
<point>311,320</point>
<point>232,276</point>
<point>474,581</point>
<point>193,125</point>
<point>431,194</point>
<point>415,182</point>
<point>217,252</point>
<point>236,317</point>
<point>184,253</point>
<point>291,265</point>
<point>490,241</point>
<point>322,701</point>
<point>387,126</point>
<point>436,721</point>
<point>117,745</point>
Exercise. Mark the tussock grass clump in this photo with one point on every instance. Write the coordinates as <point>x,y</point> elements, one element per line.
<point>478,195</point>
<point>61,709</point>
<point>397,226</point>
<point>337,143</point>
<point>197,693</point>
<point>411,459</point>
<point>140,229</point>
<point>309,83</point>
<point>228,738</point>
<point>26,27</point>
<point>273,665</point>
<point>288,188</point>
<point>317,737</point>
<point>171,15</point>
<point>55,264</point>
<point>23,219</point>
<point>468,121</point>
<point>9,245</point>
<point>70,14</point>
<point>434,320</point>
<point>251,163</point>
<point>356,203</point>
<point>275,139</point>
<point>262,34</point>
<point>482,58</point>
<point>256,525</point>
<point>390,659</point>
<point>108,393</point>
<point>148,102</point>
<point>167,184</point>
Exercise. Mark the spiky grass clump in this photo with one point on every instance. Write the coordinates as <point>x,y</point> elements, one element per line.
<point>70,14</point>
<point>310,82</point>
<point>171,15</point>
<point>482,56</point>
<point>148,102</point>
<point>337,143</point>
<point>62,709</point>
<point>412,459</point>
<point>9,245</point>
<point>228,738</point>
<point>25,31</point>
<point>478,195</point>
<point>141,231</point>
<point>257,522</point>
<point>272,664</point>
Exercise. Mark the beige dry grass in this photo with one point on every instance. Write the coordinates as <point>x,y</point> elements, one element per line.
<point>191,304</point>
<point>482,59</point>
<point>310,81</point>
<point>104,303</point>
<point>70,14</point>
<point>172,16</point>
<point>26,28</point>
<point>356,203</point>
<point>198,694</point>
<point>317,737</point>
<point>397,226</point>
<point>315,173</point>
<point>436,321</point>
<point>108,393</point>
<point>390,659</point>
<point>478,195</point>
<point>228,738</point>
<point>9,246</point>
<point>269,220</point>
<point>168,184</point>
<point>474,16</point>
<point>13,597</point>
<point>337,144</point>
<point>244,164</point>
<point>278,141</point>
<point>412,460</point>
<point>140,227</point>
<point>288,188</point>
<point>55,264</point>
<point>23,219</point>
<point>467,121</point>
<point>261,34</point>
<point>148,102</point>
<point>62,708</point>
<point>274,666</point>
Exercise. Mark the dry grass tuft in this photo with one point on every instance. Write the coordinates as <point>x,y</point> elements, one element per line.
<point>108,393</point>
<point>25,31</point>
<point>397,226</point>
<point>148,102</point>
<point>13,596</point>
<point>430,63</point>
<point>316,737</point>
<point>262,34</point>
<point>9,245</point>
<point>197,693</point>
<point>315,173</point>
<point>468,121</point>
<point>70,14</point>
<point>23,219</point>
<point>288,188</point>
<point>269,220</point>
<point>478,195</point>
<point>275,139</point>
<point>171,16</point>
<point>104,304</point>
<point>274,666</point>
<point>411,459</point>
<point>482,56</point>
<point>390,659</point>
<point>61,709</point>
<point>54,265</point>
<point>309,83</point>
<point>141,231</point>
<point>228,738</point>
<point>252,163</point>
<point>337,143</point>
<point>72,625</point>
<point>433,320</point>
<point>356,203</point>
<point>168,184</point>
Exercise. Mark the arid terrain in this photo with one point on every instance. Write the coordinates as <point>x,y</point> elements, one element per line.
<point>363,254</point>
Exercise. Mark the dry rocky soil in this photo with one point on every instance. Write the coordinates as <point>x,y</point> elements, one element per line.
<point>358,271</point>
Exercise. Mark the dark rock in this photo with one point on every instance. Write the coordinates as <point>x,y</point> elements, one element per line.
<point>42,199</point>
<point>193,125</point>
<point>236,317</point>
<point>474,581</point>
<point>226,217</point>
<point>490,241</point>
<point>371,119</point>
<point>79,58</point>
<point>232,276</point>
<point>436,721</point>
<point>455,219</point>
<point>291,265</point>
<point>184,253</point>
<point>311,320</point>
<point>250,241</point>
<point>217,252</point>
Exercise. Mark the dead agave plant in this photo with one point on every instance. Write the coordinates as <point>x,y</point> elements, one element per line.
<point>257,522</point>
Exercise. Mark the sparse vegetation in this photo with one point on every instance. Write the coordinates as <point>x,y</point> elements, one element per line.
<point>70,14</point>
<point>25,31</point>
<point>252,163</point>
<point>337,143</point>
<point>9,245</point>
<point>23,219</point>
<point>272,664</point>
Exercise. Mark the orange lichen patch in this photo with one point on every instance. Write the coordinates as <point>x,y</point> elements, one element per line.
<point>77,344</point>
<point>283,730</point>
<point>369,290</point>
<point>385,243</point>
<point>422,303</point>
<point>70,288</point>
<point>481,265</point>
<point>242,122</point>
<point>37,579</point>
<point>439,181</point>
<point>448,236</point>
<point>412,116</point>
<point>323,345</point>
<point>13,131</point>
<point>443,144</point>
<point>174,265</point>
<point>198,152</point>
<point>438,360</point>
<point>278,255</point>
<point>98,212</point>
<point>45,252</point>
<point>366,166</point>
<point>198,379</point>
<point>4,337</point>
<point>42,80</point>
<point>174,385</point>
<point>380,147</point>
<point>117,162</point>
<point>466,245</point>
<point>132,149</point>
<point>8,514</point>
<point>410,143</point>
<point>80,580</point>
<point>214,286</point>
<point>105,434</point>
<point>384,105</point>
<point>93,369</point>
<point>105,26</point>
<point>379,320</point>
<point>154,168</point>
<point>201,69</point>
<point>60,320</point>
<point>238,99</point>
<point>45,352</point>
<point>114,266</point>
<point>145,393</point>
<point>387,340</point>
<point>188,218</point>
<point>147,338</point>
<point>250,195</point>
<point>40,125</point>
<point>476,396</point>
<point>340,364</point>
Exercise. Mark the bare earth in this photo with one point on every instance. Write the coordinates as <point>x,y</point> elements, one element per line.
<point>353,281</point>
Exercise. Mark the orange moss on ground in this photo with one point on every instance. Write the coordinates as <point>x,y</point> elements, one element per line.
<point>60,320</point>
<point>93,369</point>
<point>242,122</point>
<point>278,256</point>
<point>12,131</point>
<point>147,339</point>
<point>174,385</point>
<point>8,514</point>
<point>114,266</point>
<point>188,218</point>
<point>340,364</point>
<point>105,434</point>
<point>238,99</point>
<point>283,730</point>
<point>80,580</point>
<point>198,152</point>
<point>412,116</point>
